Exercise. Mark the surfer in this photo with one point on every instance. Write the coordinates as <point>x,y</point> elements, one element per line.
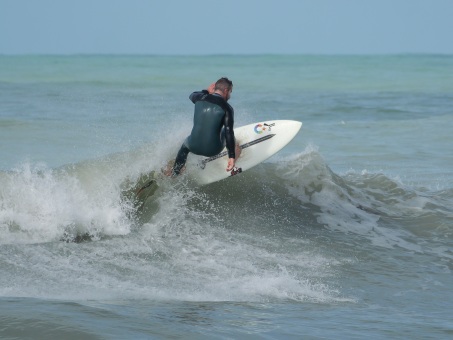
<point>212,126</point>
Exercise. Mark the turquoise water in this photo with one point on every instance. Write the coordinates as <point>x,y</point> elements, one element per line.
<point>346,233</point>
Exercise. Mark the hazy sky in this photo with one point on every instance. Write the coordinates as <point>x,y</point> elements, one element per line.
<point>226,27</point>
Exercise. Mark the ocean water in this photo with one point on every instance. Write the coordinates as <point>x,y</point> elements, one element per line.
<point>345,233</point>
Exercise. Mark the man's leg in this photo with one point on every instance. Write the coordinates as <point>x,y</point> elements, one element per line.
<point>180,160</point>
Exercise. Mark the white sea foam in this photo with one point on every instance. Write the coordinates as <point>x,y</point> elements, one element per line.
<point>41,205</point>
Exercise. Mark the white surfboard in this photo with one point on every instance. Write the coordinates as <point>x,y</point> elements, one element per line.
<point>258,141</point>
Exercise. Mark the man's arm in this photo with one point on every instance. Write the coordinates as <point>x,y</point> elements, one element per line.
<point>230,140</point>
<point>198,95</point>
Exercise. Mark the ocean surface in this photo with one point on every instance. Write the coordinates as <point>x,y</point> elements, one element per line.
<point>347,233</point>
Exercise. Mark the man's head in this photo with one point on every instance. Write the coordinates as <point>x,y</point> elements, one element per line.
<point>224,87</point>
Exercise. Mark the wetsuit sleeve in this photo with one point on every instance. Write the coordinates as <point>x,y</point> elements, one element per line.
<point>198,95</point>
<point>229,134</point>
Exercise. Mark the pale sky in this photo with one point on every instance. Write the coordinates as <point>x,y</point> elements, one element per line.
<point>203,27</point>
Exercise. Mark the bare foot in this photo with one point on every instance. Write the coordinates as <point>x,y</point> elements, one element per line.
<point>168,170</point>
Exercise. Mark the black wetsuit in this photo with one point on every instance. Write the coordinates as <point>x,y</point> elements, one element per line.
<point>212,129</point>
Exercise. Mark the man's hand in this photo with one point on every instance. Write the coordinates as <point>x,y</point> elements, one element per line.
<point>211,88</point>
<point>231,163</point>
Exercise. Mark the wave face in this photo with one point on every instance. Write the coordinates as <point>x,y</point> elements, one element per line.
<point>274,232</point>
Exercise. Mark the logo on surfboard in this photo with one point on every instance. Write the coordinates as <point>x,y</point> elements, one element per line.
<point>260,128</point>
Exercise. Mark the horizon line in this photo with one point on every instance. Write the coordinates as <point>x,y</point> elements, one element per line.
<point>223,54</point>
